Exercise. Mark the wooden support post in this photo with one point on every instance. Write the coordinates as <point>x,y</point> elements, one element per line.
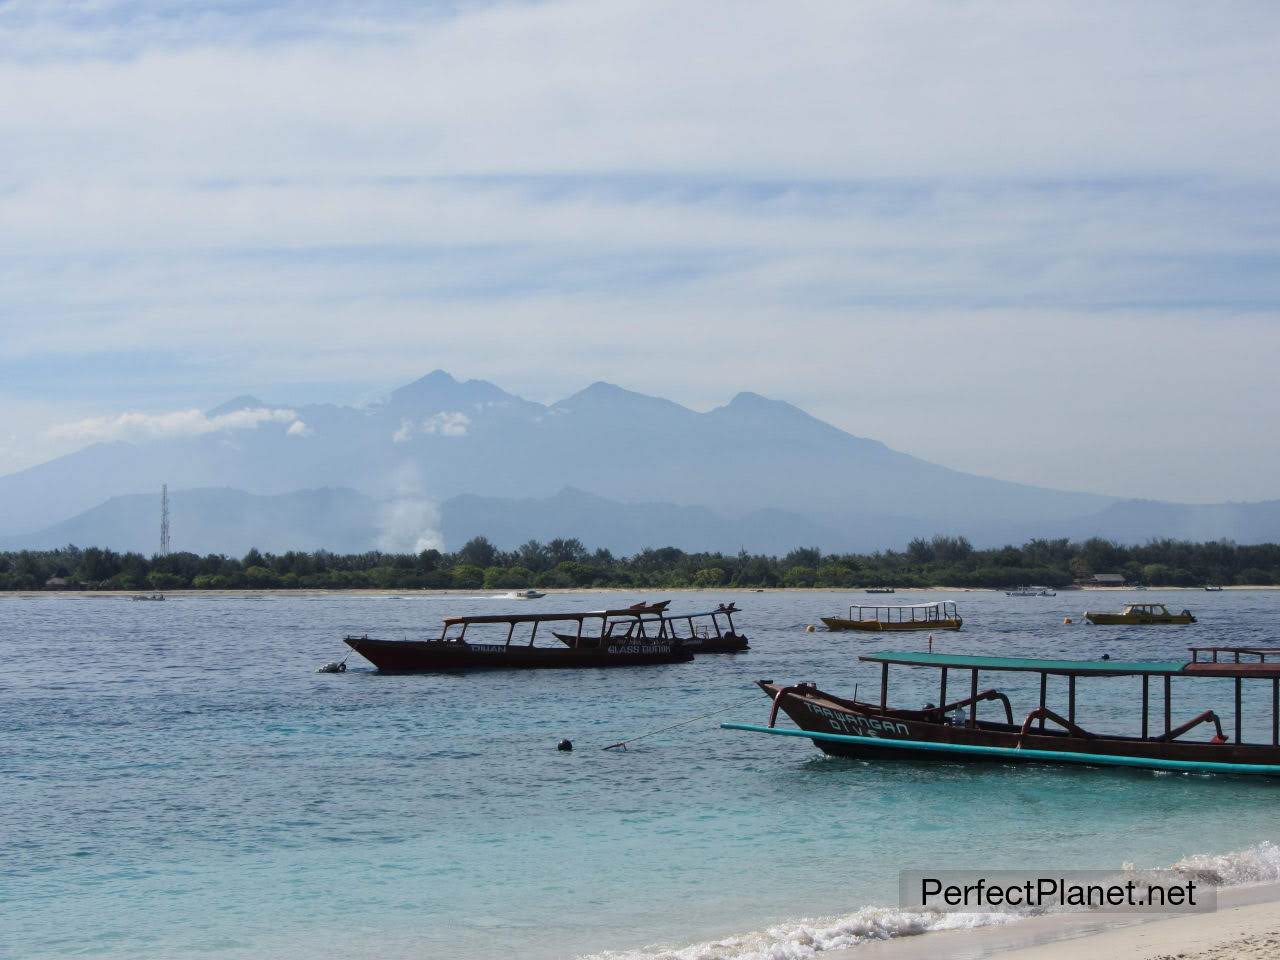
<point>1275,712</point>
<point>942,690</point>
<point>533,633</point>
<point>884,685</point>
<point>510,630</point>
<point>1239,724</point>
<point>973,693</point>
<point>1044,689</point>
<point>577,641</point>
<point>1168,694</point>
<point>1145,702</point>
<point>1071,698</point>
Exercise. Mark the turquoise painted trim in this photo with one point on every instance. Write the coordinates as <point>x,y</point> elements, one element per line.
<point>1114,668</point>
<point>1060,756</point>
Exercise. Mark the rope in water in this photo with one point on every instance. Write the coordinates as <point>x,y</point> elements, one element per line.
<point>622,744</point>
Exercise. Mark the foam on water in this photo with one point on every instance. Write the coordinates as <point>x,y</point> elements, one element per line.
<point>807,937</point>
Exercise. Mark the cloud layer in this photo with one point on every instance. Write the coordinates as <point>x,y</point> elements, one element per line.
<point>917,219</point>
<point>179,423</point>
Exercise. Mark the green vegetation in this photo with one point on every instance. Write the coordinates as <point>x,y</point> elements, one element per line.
<point>479,565</point>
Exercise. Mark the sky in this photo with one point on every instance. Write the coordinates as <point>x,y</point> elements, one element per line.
<point>1035,241</point>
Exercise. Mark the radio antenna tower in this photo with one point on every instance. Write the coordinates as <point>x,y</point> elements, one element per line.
<point>164,519</point>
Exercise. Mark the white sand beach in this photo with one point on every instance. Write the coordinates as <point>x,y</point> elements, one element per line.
<point>1246,926</point>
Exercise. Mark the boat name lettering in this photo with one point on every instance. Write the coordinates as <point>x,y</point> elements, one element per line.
<point>638,648</point>
<point>859,725</point>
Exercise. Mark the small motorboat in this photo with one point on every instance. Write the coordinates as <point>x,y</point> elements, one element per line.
<point>881,590</point>
<point>1140,613</point>
<point>1030,592</point>
<point>154,596</point>
<point>527,595</point>
<point>1213,588</point>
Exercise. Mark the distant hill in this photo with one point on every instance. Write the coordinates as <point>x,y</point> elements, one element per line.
<point>612,467</point>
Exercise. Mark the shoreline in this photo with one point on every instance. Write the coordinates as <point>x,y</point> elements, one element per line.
<point>499,594</point>
<point>1246,925</point>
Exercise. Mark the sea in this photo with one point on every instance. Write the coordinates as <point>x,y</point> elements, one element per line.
<point>177,781</point>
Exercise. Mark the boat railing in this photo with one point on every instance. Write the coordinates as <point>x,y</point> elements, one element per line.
<point>1213,654</point>
<point>1044,713</point>
<point>992,694</point>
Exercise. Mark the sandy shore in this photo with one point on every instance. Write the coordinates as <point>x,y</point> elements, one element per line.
<point>1246,926</point>
<point>497,592</point>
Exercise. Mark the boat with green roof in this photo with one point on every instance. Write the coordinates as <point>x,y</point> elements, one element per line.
<point>952,730</point>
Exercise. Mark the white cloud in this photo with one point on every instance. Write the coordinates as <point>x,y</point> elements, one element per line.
<point>299,429</point>
<point>179,423</point>
<point>450,424</point>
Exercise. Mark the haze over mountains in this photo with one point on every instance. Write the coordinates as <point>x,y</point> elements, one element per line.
<point>440,461</point>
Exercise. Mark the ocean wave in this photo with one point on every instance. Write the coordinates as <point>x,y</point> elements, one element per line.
<point>805,938</point>
<point>801,939</point>
<point>1257,864</point>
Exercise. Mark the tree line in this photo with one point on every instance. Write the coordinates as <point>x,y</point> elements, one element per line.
<point>562,563</point>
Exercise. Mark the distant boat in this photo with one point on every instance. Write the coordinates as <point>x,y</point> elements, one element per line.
<point>1144,613</point>
<point>1139,586</point>
<point>1030,592</point>
<point>1213,588</point>
<point>919,616</point>
<point>527,595</point>
<point>881,590</point>
<point>143,596</point>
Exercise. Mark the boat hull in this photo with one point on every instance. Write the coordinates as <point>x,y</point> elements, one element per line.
<point>726,643</point>
<point>429,656</point>
<point>877,626</point>
<point>846,729</point>
<point>1121,619</point>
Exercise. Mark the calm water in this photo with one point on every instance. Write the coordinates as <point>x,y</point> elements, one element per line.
<point>177,781</point>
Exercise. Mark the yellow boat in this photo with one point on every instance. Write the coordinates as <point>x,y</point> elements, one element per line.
<point>919,616</point>
<point>1141,613</point>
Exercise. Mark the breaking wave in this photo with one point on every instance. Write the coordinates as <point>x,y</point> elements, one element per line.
<point>801,939</point>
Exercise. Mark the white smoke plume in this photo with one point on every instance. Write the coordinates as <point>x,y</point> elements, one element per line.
<point>410,520</point>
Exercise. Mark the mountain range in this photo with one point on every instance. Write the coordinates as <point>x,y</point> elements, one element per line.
<point>442,460</point>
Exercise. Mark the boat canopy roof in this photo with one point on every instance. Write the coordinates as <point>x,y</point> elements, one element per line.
<point>904,606</point>
<point>1114,668</point>
<point>635,611</point>
<point>668,615</point>
<point>1098,668</point>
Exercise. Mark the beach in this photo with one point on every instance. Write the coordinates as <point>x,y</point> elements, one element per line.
<point>1246,926</point>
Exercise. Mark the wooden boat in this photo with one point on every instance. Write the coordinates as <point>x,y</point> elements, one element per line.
<point>641,623</point>
<point>952,729</point>
<point>154,596</point>
<point>452,651</point>
<point>881,590</point>
<point>918,616</point>
<point>1141,613</point>
<point>1030,592</point>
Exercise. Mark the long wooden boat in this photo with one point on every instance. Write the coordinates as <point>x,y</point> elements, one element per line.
<point>952,730</point>
<point>1141,613</point>
<point>453,651</point>
<point>917,616</point>
<point>699,632</point>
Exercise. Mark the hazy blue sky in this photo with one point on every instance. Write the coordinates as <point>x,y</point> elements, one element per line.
<point>1039,241</point>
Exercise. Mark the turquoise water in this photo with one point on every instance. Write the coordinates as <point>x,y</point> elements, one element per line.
<point>177,781</point>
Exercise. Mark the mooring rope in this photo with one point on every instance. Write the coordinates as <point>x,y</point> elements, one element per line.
<point>622,744</point>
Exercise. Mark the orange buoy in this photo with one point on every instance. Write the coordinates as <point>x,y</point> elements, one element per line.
<point>1066,619</point>
<point>809,628</point>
